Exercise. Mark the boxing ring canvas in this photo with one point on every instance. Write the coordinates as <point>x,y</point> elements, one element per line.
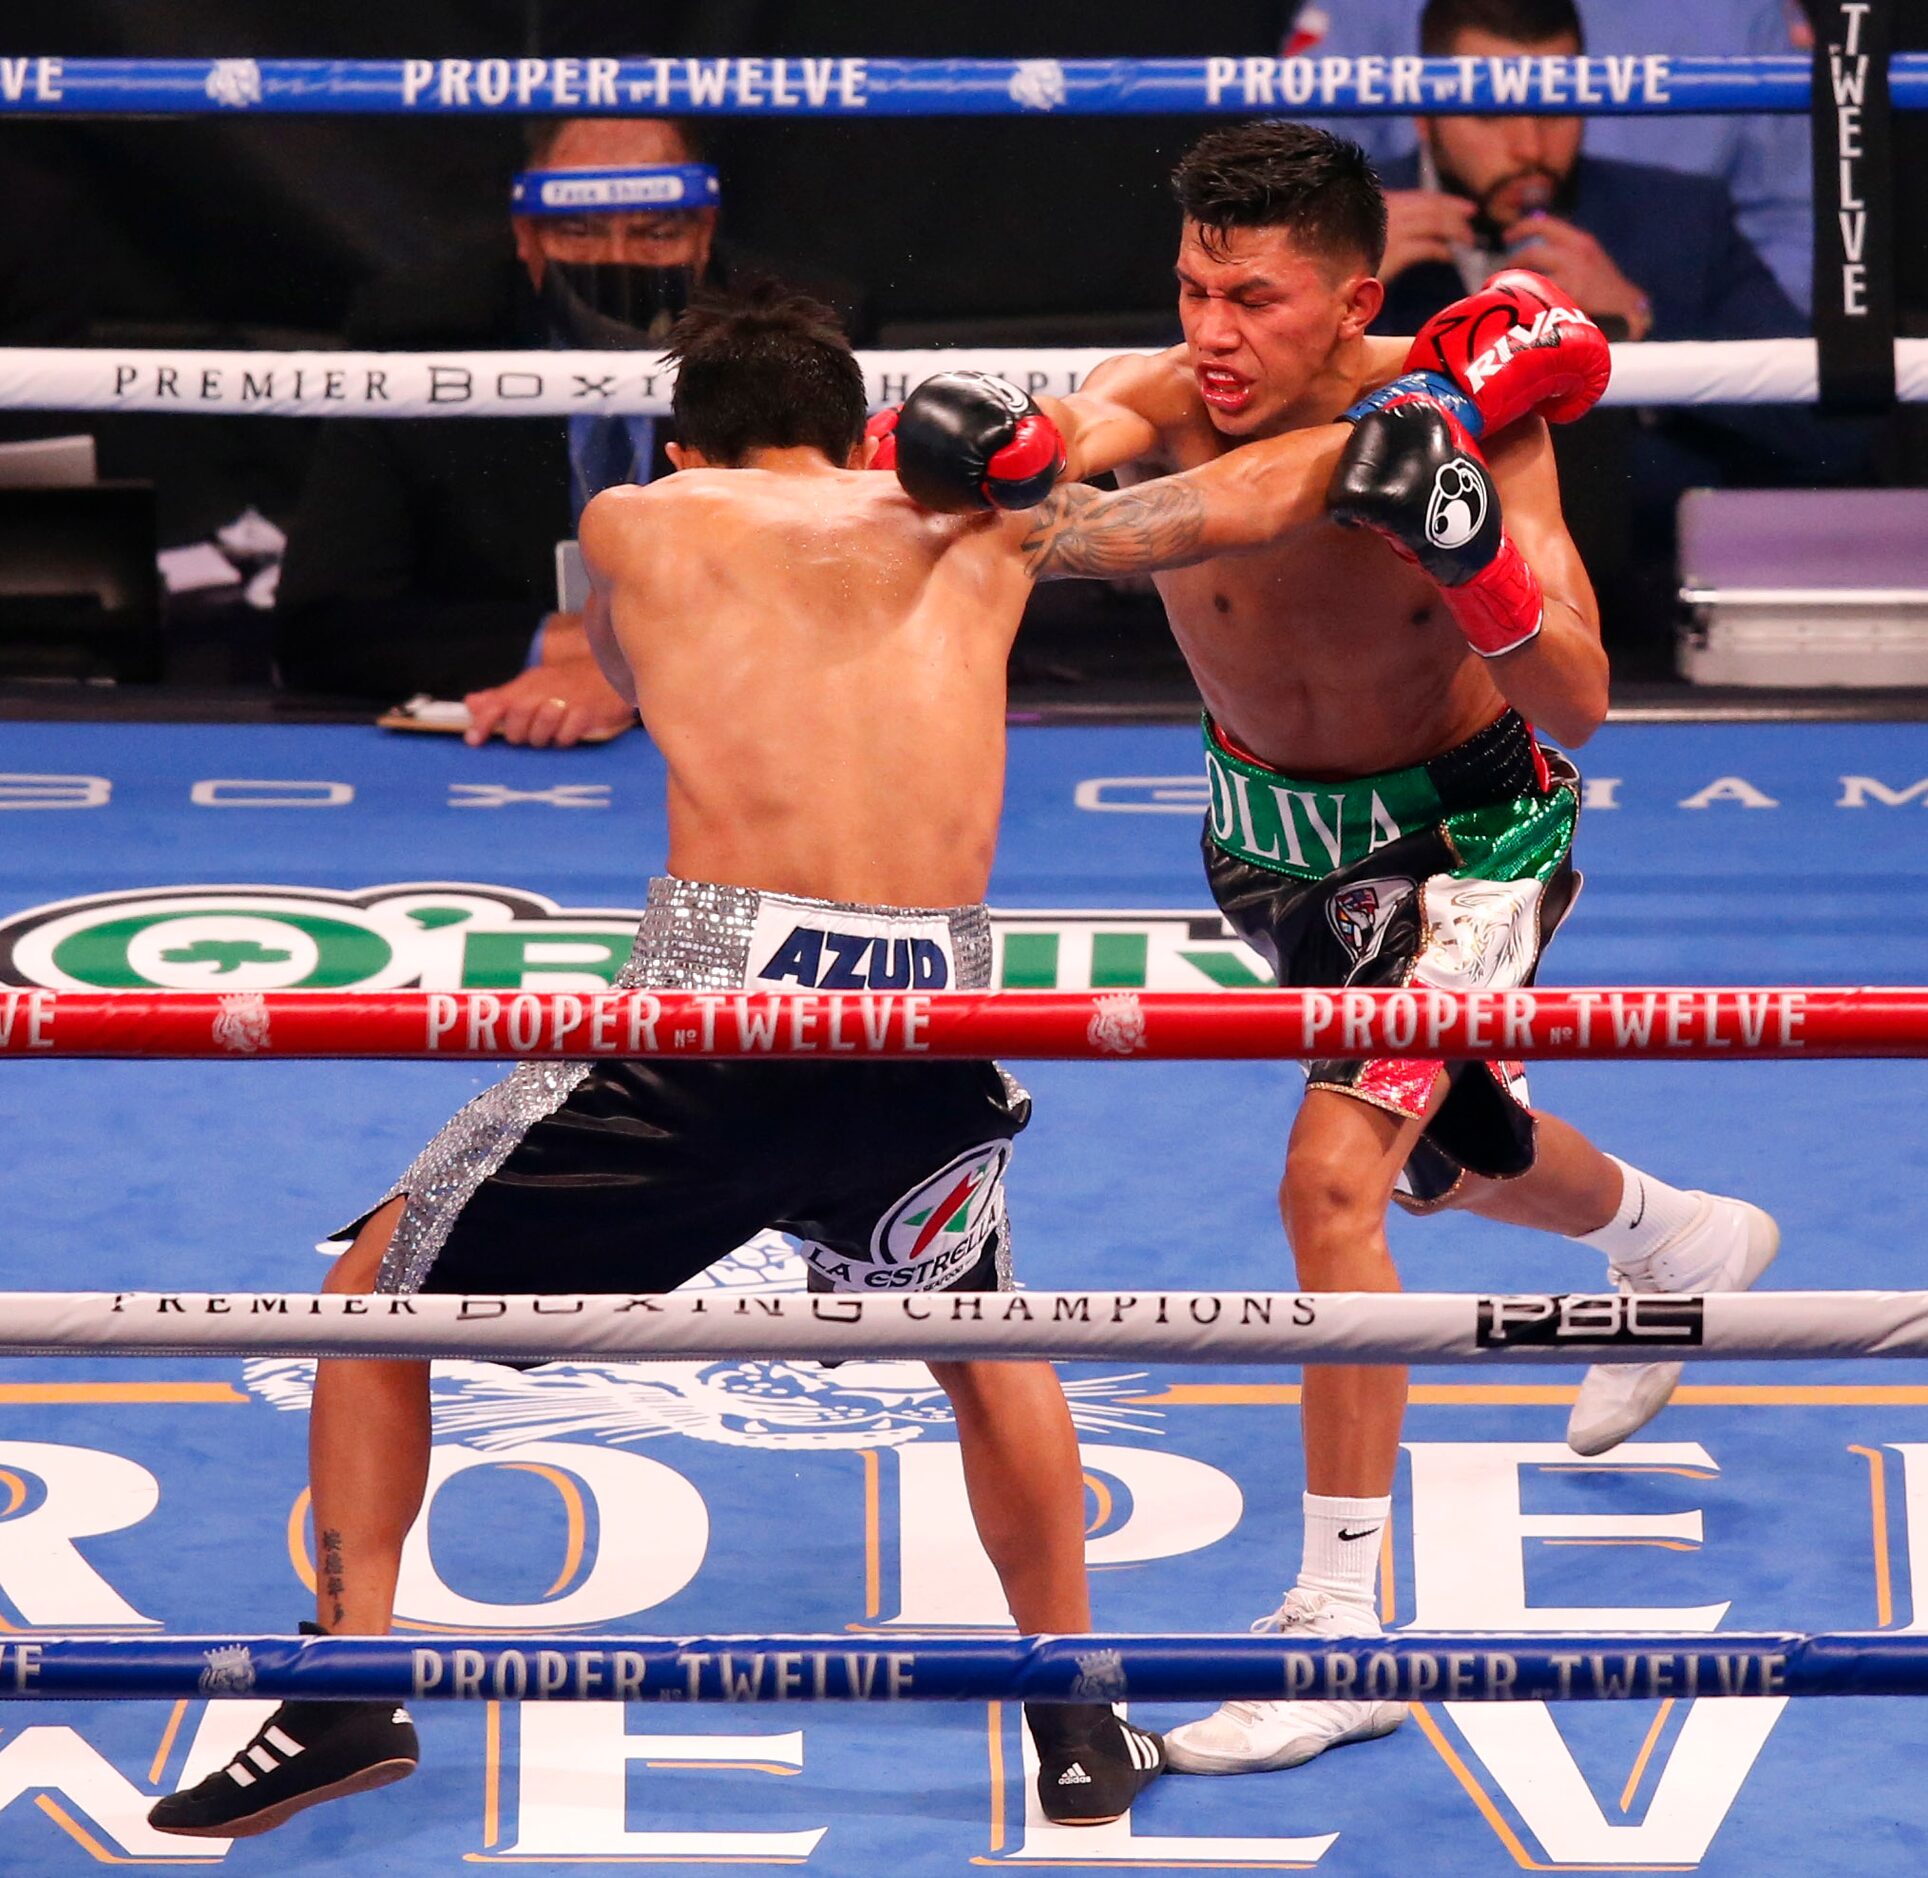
<point>137,1498</point>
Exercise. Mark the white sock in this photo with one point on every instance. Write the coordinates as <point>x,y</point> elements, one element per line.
<point>1342,1539</point>
<point>1649,1216</point>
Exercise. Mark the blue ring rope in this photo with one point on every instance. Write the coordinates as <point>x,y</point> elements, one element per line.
<point>883,1668</point>
<point>1598,85</point>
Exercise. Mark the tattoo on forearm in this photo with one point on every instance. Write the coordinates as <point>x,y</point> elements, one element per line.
<point>1081,530</point>
<point>331,1573</point>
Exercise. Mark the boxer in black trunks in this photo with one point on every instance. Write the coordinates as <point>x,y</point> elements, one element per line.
<point>822,665</point>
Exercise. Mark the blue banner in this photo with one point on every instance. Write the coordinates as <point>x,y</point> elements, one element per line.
<point>1409,1667</point>
<point>859,87</point>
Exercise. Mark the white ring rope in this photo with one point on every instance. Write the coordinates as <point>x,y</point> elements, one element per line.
<point>556,384</point>
<point>1146,1326</point>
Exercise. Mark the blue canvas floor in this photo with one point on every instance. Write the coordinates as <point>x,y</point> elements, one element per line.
<point>166,1495</point>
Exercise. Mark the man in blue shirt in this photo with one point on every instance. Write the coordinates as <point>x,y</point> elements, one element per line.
<point>1763,160</point>
<point>421,556</point>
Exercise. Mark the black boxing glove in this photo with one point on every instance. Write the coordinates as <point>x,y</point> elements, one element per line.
<point>967,440</point>
<point>1411,474</point>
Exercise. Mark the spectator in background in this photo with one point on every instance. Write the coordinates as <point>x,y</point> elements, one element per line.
<point>1648,252</point>
<point>421,554</point>
<point>46,286</point>
<point>1763,160</point>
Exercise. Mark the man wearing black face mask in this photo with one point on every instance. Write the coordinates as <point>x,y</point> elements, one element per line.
<point>615,223</point>
<point>421,557</point>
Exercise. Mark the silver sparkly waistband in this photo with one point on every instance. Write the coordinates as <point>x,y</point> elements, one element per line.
<point>694,936</point>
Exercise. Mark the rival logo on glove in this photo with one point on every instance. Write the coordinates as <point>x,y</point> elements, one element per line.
<point>1545,330</point>
<point>1518,345</point>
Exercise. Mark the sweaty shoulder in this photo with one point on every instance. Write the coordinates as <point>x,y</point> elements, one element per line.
<point>1157,385</point>
<point>615,517</point>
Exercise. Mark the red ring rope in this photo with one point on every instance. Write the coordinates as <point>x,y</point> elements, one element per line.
<point>1786,1022</point>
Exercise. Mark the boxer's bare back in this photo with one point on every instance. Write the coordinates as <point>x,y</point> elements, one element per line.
<point>822,664</point>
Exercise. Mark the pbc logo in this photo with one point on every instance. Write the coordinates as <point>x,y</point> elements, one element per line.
<point>1567,1322</point>
<point>820,960</point>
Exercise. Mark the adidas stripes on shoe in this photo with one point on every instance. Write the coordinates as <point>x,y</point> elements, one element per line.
<point>1091,1765</point>
<point>305,1752</point>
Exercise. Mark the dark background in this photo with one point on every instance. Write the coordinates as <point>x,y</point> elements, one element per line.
<point>259,231</point>
<point>264,226</point>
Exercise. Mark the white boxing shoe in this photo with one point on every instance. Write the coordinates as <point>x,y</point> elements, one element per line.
<point>1259,1737</point>
<point>1728,1246</point>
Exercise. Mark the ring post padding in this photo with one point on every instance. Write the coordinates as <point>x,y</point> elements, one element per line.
<point>1409,1666</point>
<point>1854,208</point>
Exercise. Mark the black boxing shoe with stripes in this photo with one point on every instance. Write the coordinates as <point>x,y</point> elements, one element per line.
<point>304,1753</point>
<point>1091,1765</point>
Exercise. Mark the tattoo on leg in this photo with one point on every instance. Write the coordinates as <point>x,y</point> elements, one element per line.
<point>1081,530</point>
<point>331,1573</point>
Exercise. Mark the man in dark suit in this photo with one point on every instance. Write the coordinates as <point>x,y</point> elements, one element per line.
<point>421,555</point>
<point>1648,252</point>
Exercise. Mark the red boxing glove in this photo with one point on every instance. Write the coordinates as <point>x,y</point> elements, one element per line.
<point>1518,345</point>
<point>882,425</point>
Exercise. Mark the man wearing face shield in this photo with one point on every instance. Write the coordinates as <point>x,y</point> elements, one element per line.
<point>421,558</point>
<point>614,252</point>
<point>615,225</point>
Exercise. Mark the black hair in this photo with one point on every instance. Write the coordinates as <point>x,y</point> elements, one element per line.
<point>764,368</point>
<point>540,134</point>
<point>1524,22</point>
<point>1268,173</point>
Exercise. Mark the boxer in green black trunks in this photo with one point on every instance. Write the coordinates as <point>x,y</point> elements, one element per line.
<point>1324,658</point>
<point>1454,873</point>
